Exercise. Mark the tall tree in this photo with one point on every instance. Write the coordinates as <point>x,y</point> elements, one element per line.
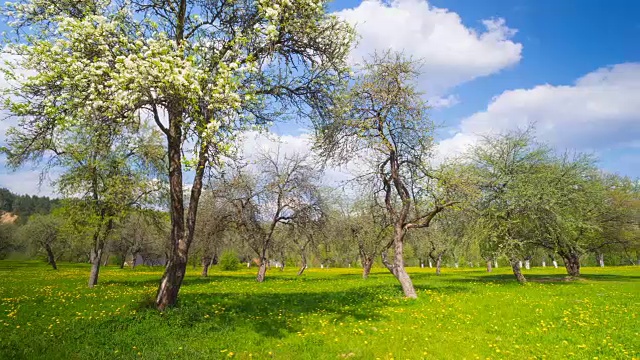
<point>386,121</point>
<point>201,69</point>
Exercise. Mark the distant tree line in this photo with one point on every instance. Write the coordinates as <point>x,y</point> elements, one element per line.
<point>25,205</point>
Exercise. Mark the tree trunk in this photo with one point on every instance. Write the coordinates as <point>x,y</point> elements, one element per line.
<point>50,257</point>
<point>544,263</point>
<point>600,258</point>
<point>123,260</point>
<point>527,264</point>
<point>303,265</point>
<point>400,271</point>
<point>177,265</point>
<point>367,263</point>
<point>438,264</point>
<point>489,269</point>
<point>397,268</point>
<point>134,258</point>
<point>262,270</point>
<point>515,265</point>
<point>572,264</point>
<point>96,252</point>
<point>96,256</point>
<point>495,263</point>
<point>206,262</point>
<point>105,262</point>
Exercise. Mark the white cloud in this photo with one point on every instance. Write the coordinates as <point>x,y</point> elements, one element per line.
<point>443,102</point>
<point>600,111</point>
<point>452,53</point>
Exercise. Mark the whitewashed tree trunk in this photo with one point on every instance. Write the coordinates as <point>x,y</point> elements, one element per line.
<point>527,264</point>
<point>555,264</point>
<point>248,264</point>
<point>422,265</point>
<point>544,263</point>
<point>520,264</point>
<point>456,264</point>
<point>321,266</point>
<point>430,264</point>
<point>600,260</point>
<point>495,264</point>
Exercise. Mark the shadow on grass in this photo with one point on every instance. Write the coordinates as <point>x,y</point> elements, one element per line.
<point>610,277</point>
<point>273,315</point>
<point>559,279</point>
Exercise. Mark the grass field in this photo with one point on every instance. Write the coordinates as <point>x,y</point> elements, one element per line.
<point>325,314</point>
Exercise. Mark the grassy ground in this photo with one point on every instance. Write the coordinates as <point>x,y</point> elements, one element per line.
<point>325,314</point>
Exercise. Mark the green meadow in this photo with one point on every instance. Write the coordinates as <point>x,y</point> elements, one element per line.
<point>324,314</point>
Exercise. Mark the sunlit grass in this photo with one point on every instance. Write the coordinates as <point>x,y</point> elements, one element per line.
<point>325,314</point>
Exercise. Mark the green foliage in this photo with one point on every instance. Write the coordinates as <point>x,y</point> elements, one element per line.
<point>42,231</point>
<point>25,205</point>
<point>229,261</point>
<point>326,314</point>
<point>7,240</point>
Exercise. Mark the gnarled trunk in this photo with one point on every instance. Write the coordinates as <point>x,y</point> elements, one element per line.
<point>303,264</point>
<point>367,263</point>
<point>572,263</point>
<point>206,262</point>
<point>50,258</point>
<point>515,265</point>
<point>262,270</point>
<point>400,271</point>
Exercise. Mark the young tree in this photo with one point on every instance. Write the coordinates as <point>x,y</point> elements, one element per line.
<point>140,234</point>
<point>214,219</point>
<point>43,231</point>
<point>283,190</point>
<point>386,121</point>
<point>368,226</point>
<point>510,170</point>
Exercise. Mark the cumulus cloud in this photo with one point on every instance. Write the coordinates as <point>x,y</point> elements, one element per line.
<point>452,53</point>
<point>600,111</point>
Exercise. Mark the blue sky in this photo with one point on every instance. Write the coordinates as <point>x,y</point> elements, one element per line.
<point>561,42</point>
<point>572,66</point>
